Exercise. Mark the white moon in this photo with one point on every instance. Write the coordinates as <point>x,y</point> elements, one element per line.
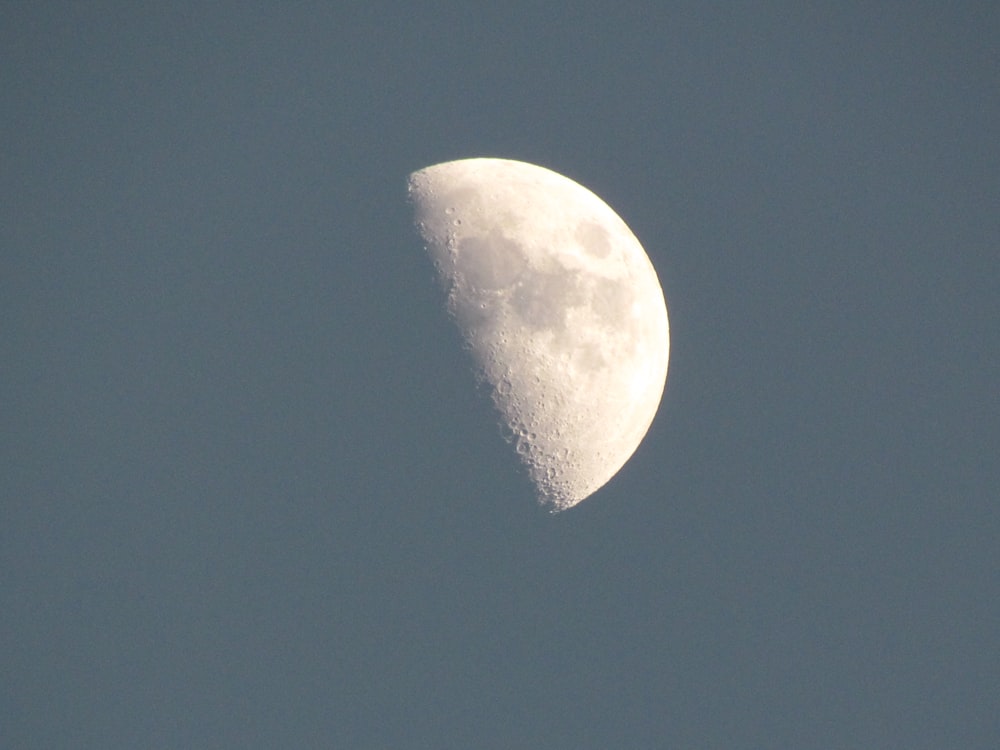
<point>561,309</point>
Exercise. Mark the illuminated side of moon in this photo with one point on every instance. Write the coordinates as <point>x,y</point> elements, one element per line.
<point>560,308</point>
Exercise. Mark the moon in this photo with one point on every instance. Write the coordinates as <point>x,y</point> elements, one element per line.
<point>560,308</point>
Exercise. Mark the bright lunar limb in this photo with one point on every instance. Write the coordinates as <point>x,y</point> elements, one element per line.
<point>561,309</point>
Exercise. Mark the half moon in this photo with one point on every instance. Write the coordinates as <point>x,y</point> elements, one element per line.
<point>561,309</point>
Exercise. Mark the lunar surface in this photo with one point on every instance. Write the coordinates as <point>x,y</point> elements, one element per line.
<point>559,306</point>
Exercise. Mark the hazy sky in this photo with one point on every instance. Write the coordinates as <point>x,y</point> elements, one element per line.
<point>251,498</point>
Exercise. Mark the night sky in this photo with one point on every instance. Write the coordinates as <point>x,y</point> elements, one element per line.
<point>250,495</point>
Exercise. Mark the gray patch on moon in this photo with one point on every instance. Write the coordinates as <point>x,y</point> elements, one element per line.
<point>543,300</point>
<point>490,262</point>
<point>611,301</point>
<point>588,357</point>
<point>594,239</point>
<point>476,312</point>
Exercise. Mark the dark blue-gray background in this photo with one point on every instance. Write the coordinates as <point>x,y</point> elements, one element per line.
<point>250,497</point>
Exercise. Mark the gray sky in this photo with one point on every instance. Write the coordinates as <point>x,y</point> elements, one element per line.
<point>250,497</point>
